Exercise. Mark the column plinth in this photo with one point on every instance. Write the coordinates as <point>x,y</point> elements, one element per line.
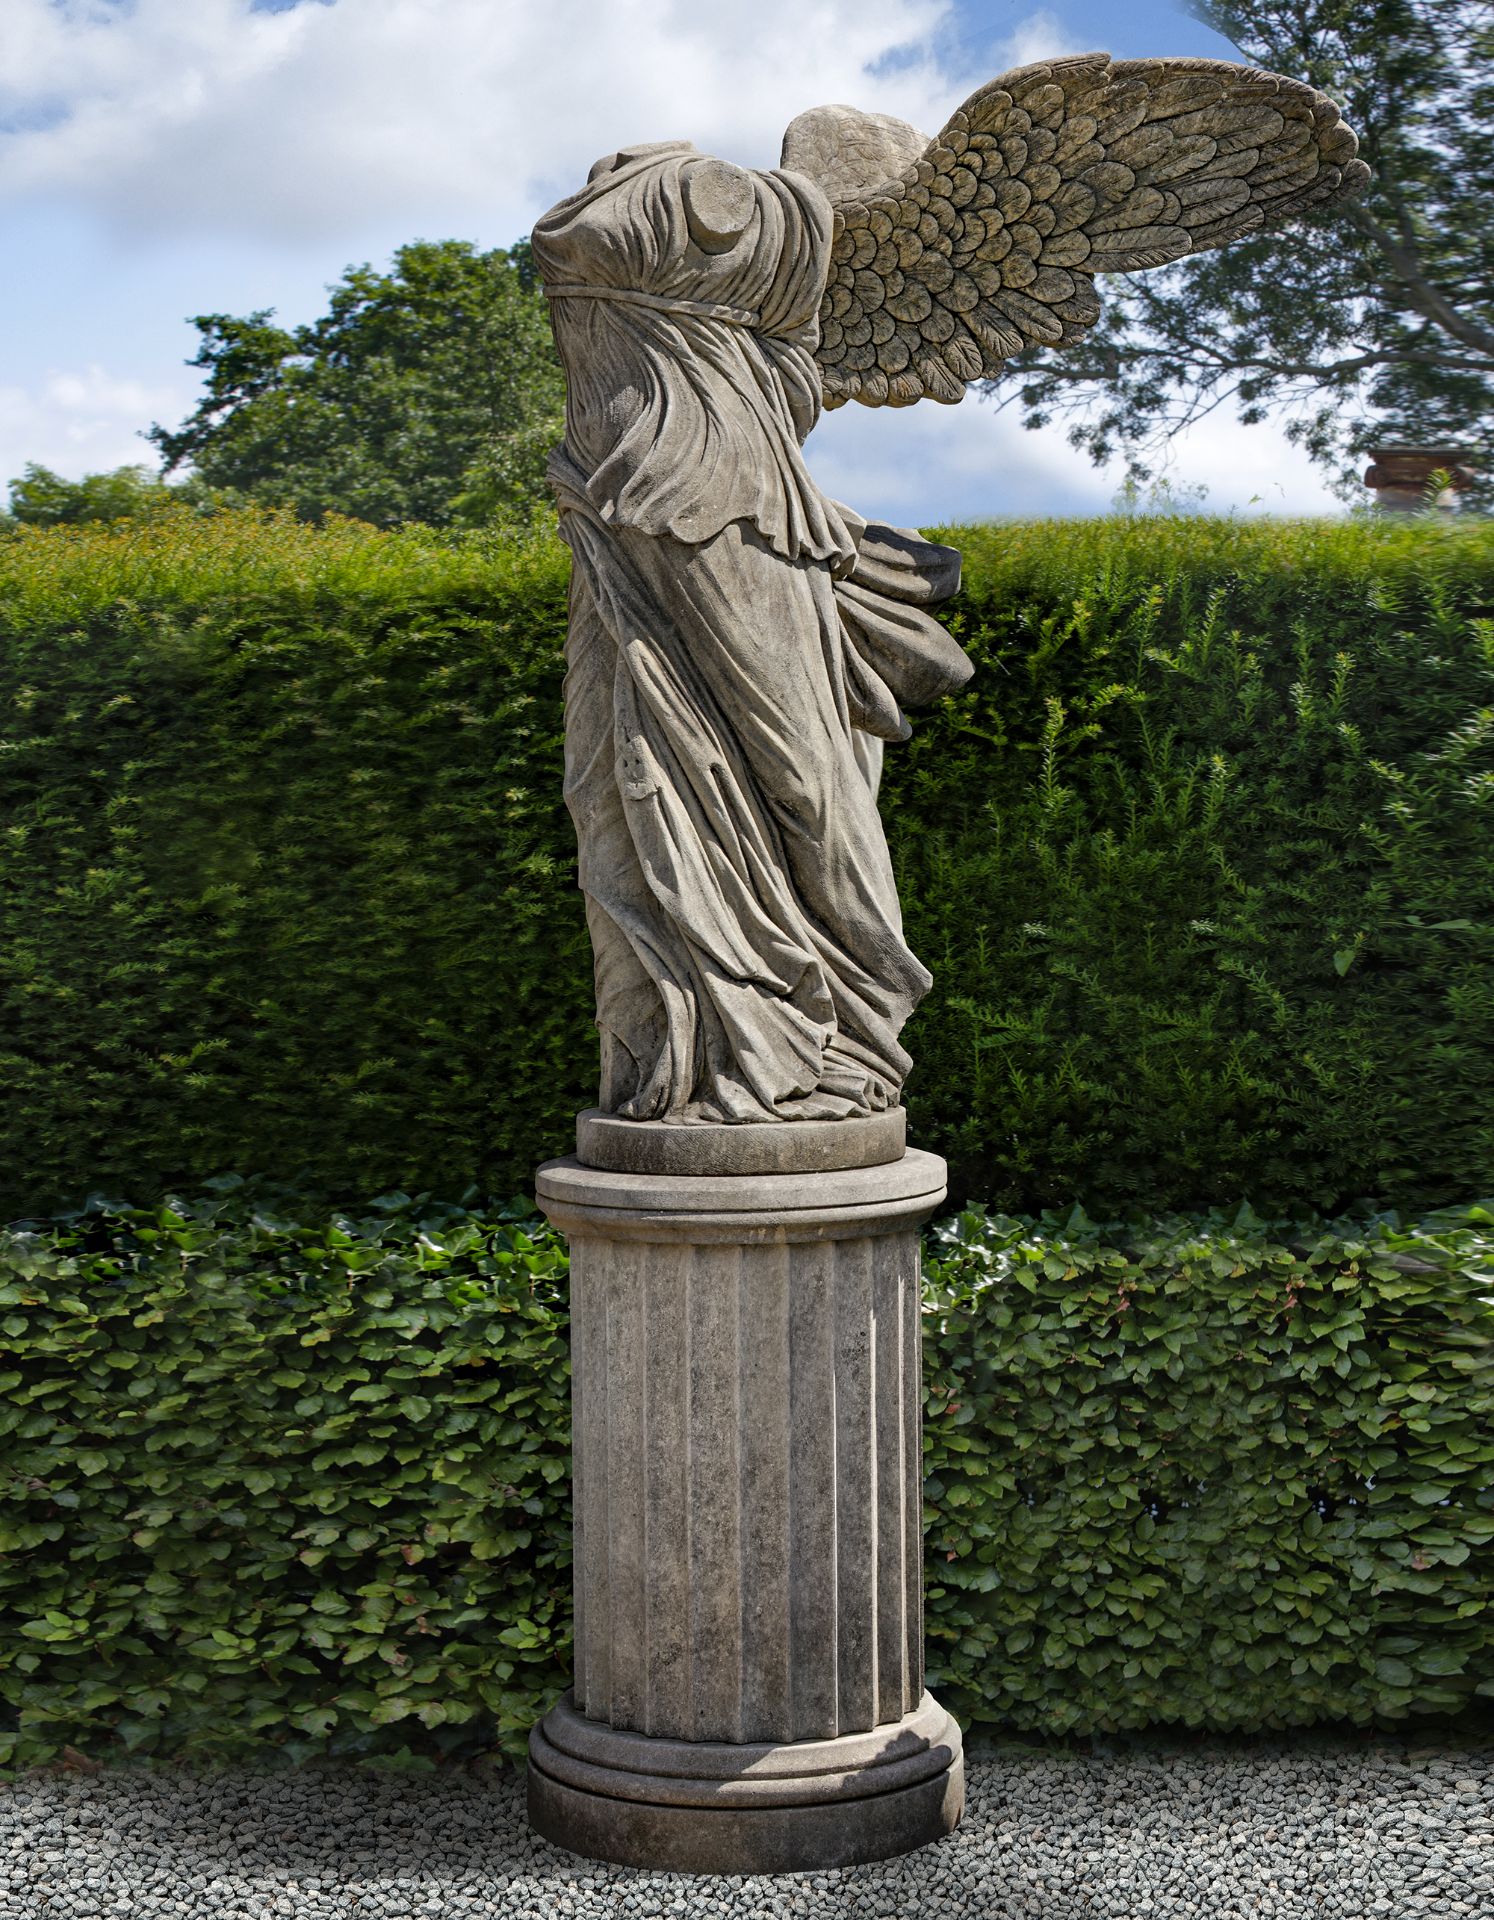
<point>746,1400</point>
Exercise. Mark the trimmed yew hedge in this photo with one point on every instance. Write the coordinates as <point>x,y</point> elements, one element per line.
<point>288,882</point>
<point>1202,861</point>
<point>282,1482</point>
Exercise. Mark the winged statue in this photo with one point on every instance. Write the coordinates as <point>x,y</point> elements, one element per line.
<point>741,646</point>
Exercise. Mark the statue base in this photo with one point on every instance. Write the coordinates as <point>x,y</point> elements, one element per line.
<point>748,1476</point>
<point>695,1806</point>
<point>689,1149</point>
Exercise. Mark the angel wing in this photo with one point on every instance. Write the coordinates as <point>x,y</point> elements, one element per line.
<point>990,242</point>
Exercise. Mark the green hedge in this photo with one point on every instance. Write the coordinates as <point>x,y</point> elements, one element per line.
<point>1201,859</point>
<point>1210,1471</point>
<point>285,1483</point>
<point>273,1485</point>
<point>288,881</point>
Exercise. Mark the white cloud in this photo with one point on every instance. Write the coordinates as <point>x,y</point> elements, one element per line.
<point>446,114</point>
<point>84,421</point>
<point>1248,469</point>
<point>327,132</point>
<point>1041,36</point>
<point>925,464</point>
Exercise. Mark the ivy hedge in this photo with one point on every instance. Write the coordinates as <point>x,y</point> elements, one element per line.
<point>281,1481</point>
<point>1201,860</point>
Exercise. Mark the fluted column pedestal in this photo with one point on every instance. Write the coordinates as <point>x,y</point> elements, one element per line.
<point>749,1636</point>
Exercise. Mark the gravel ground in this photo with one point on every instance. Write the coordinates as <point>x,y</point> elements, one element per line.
<point>1314,1827</point>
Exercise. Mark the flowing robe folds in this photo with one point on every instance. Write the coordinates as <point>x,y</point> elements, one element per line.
<point>738,642</point>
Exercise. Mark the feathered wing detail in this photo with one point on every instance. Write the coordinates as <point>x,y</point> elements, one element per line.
<point>990,243</point>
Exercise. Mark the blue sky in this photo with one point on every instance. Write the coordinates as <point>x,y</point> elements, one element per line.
<point>160,158</point>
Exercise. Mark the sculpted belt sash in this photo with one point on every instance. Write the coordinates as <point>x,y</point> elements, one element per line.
<point>631,296</point>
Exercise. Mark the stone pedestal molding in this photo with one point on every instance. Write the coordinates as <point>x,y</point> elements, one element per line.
<point>1400,477</point>
<point>748,1542</point>
<point>605,1141</point>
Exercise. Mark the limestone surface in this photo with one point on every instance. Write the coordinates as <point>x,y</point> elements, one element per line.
<point>747,1420</point>
<point>812,1146</point>
<point>740,645</point>
<point>746,1403</point>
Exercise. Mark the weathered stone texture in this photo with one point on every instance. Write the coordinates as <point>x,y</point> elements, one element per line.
<point>808,1146</point>
<point>741,646</point>
<point>747,1451</point>
<point>744,1244</point>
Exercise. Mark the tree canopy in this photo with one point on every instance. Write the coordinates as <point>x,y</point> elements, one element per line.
<point>42,498</point>
<point>430,393</point>
<point>1369,322</point>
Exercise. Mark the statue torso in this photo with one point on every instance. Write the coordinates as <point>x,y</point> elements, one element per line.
<point>691,380</point>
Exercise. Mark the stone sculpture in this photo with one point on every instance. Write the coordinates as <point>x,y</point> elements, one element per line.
<point>743,1218</point>
<point>741,645</point>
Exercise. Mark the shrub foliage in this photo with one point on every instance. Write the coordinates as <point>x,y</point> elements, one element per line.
<point>1201,861</point>
<point>289,882</point>
<point>284,1486</point>
<point>1210,1471</point>
<point>286,1483</point>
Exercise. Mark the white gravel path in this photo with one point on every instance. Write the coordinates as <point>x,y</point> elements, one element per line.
<point>1325,1829</point>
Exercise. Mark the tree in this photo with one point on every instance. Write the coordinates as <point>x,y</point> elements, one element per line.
<point>1370,322</point>
<point>431,392</point>
<point>42,498</point>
